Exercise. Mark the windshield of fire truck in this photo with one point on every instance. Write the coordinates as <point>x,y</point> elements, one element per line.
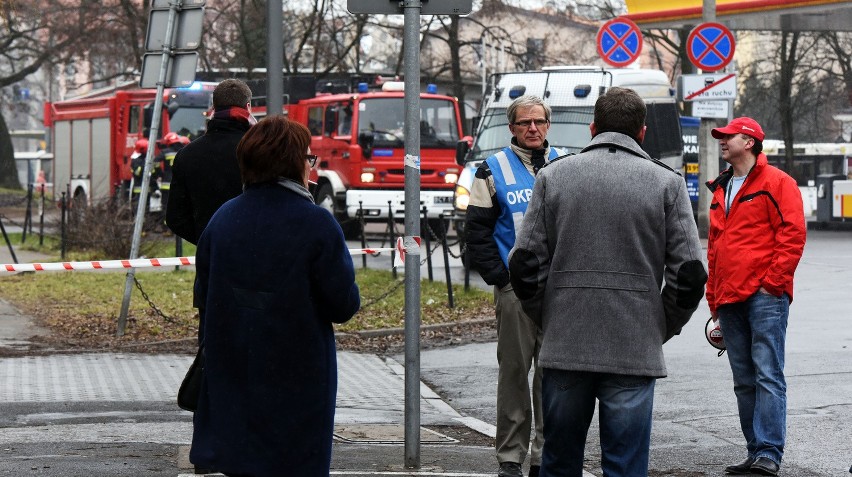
<point>569,130</point>
<point>385,117</point>
<point>188,121</point>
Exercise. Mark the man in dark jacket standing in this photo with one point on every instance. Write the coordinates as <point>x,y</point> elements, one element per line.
<point>205,173</point>
<point>498,200</point>
<point>604,231</point>
<point>757,236</point>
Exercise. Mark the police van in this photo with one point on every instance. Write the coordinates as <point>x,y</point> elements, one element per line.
<point>571,92</point>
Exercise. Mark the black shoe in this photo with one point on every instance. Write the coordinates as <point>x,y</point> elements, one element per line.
<point>764,466</point>
<point>743,467</point>
<point>510,469</point>
<point>534,470</point>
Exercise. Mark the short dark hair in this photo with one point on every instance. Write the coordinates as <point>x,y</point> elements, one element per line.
<point>231,92</point>
<point>275,147</point>
<point>620,110</point>
<point>757,148</point>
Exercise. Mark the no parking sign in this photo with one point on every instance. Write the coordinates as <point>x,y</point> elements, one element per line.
<point>619,42</point>
<point>710,46</point>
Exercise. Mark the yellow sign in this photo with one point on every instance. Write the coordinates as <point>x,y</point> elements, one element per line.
<point>692,168</point>
<point>648,11</point>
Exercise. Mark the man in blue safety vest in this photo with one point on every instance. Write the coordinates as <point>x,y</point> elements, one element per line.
<point>498,200</point>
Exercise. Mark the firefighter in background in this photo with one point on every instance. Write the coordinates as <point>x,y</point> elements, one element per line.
<point>169,146</point>
<point>137,168</point>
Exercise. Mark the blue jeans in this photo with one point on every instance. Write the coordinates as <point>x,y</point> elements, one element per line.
<point>755,331</point>
<point>626,404</point>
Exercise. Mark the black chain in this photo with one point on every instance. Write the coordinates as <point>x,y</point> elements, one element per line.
<point>8,221</point>
<point>8,200</point>
<point>162,315</point>
<point>383,295</point>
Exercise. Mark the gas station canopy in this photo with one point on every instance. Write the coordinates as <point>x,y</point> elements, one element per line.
<point>788,15</point>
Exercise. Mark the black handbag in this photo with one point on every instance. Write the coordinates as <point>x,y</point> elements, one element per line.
<point>190,388</point>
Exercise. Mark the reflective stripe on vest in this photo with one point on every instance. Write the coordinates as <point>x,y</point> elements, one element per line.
<point>514,184</point>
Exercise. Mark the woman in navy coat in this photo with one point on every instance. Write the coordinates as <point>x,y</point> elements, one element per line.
<point>273,274</point>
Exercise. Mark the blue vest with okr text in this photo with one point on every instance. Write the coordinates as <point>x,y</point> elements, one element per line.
<point>514,184</point>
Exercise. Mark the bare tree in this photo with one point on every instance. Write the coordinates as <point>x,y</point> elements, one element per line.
<point>33,35</point>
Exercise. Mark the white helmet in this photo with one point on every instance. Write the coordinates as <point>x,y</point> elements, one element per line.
<point>713,333</point>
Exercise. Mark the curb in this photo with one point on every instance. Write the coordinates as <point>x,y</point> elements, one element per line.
<point>401,331</point>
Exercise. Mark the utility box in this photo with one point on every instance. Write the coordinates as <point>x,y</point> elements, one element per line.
<point>825,196</point>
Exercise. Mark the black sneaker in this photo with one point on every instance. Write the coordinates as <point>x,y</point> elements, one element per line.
<point>510,469</point>
<point>534,470</point>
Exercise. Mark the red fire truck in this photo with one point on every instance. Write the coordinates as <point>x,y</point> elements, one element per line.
<point>359,139</point>
<point>93,135</point>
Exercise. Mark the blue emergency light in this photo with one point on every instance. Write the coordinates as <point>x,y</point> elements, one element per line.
<point>432,88</point>
<point>363,87</point>
<point>517,91</point>
<point>582,90</point>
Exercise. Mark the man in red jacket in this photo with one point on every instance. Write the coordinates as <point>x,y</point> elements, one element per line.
<point>757,235</point>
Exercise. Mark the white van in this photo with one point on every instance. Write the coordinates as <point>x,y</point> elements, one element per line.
<point>571,92</point>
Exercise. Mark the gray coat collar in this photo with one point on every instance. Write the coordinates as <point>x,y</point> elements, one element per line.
<point>617,140</point>
<point>291,185</point>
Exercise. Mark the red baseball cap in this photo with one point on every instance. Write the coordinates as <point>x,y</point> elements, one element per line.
<point>741,125</point>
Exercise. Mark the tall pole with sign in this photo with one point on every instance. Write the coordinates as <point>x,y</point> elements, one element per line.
<point>411,45</point>
<point>174,32</point>
<point>708,149</point>
<point>412,9</point>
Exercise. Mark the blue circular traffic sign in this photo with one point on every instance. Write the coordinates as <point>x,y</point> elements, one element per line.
<point>710,46</point>
<point>619,42</point>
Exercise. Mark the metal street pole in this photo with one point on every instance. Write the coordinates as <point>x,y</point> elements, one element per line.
<point>411,40</point>
<point>275,59</point>
<point>146,174</point>
<point>708,149</point>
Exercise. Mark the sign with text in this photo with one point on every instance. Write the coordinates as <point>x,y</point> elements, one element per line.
<point>710,109</point>
<point>707,87</point>
<point>394,7</point>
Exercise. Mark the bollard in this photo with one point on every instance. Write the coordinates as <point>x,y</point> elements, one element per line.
<point>64,207</point>
<point>8,242</point>
<point>28,216</point>
<point>446,260</point>
<point>424,226</point>
<point>178,249</point>
<point>41,218</point>
<point>390,237</point>
<point>363,232</point>
<point>466,262</point>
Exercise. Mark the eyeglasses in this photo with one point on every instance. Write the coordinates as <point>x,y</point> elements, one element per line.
<point>312,159</point>
<point>539,123</point>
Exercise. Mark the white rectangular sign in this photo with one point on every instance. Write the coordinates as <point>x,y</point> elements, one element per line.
<point>710,109</point>
<point>708,87</point>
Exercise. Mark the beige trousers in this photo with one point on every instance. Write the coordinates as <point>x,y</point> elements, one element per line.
<point>518,344</point>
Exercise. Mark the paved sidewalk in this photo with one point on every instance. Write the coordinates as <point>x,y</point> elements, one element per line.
<point>133,395</point>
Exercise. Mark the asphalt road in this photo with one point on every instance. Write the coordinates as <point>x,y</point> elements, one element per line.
<point>696,429</point>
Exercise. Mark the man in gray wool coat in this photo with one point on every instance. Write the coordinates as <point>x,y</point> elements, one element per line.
<point>608,262</point>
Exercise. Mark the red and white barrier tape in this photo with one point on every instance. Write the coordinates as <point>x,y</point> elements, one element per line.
<point>143,262</point>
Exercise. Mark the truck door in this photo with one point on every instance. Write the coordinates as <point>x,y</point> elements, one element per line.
<point>338,131</point>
